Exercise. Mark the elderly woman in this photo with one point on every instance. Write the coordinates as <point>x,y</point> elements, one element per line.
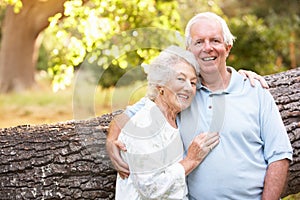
<point>154,147</point>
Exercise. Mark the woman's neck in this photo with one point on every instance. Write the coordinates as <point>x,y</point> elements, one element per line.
<point>168,111</point>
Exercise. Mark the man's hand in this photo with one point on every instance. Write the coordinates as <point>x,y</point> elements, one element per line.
<point>113,146</point>
<point>113,151</point>
<point>252,76</point>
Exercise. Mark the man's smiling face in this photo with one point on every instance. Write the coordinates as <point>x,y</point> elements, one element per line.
<point>208,45</point>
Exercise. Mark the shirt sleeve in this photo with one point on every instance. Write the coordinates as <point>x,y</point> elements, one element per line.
<point>133,109</point>
<point>163,184</point>
<point>277,145</point>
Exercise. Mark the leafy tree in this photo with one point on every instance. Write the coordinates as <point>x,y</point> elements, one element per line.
<point>87,28</point>
<point>106,31</point>
<point>268,39</point>
<point>20,40</point>
<point>115,36</point>
<point>253,48</point>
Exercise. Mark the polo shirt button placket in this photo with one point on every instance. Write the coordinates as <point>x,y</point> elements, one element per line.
<point>210,102</point>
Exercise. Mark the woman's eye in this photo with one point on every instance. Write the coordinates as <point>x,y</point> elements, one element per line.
<point>180,79</point>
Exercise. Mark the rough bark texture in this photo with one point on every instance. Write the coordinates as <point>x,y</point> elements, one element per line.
<point>68,160</point>
<point>285,88</point>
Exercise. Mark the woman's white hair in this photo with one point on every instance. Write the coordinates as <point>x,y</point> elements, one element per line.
<point>227,35</point>
<point>160,71</point>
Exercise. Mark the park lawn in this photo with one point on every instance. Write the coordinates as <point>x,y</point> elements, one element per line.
<point>42,105</point>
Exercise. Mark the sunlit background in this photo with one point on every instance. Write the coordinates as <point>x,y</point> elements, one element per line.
<point>44,43</point>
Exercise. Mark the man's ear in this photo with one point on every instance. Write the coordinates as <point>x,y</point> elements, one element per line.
<point>228,48</point>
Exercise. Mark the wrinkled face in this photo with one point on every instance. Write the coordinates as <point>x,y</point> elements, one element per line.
<point>181,89</point>
<point>208,45</point>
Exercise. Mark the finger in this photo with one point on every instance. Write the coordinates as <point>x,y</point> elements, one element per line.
<point>120,145</point>
<point>123,175</point>
<point>243,73</point>
<point>116,159</point>
<point>212,138</point>
<point>119,163</point>
<point>205,139</point>
<point>263,82</point>
<point>214,144</point>
<point>212,134</point>
<point>251,77</point>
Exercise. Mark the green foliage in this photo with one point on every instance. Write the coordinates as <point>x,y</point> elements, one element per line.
<point>116,36</point>
<point>93,30</point>
<point>43,59</point>
<point>253,47</point>
<point>267,27</point>
<point>262,42</point>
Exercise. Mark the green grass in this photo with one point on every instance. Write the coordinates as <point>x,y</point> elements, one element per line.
<point>42,105</point>
<point>292,197</point>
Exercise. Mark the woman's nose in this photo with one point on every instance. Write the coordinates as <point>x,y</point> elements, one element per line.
<point>188,86</point>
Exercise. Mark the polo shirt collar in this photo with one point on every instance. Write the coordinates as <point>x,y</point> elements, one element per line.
<point>236,84</point>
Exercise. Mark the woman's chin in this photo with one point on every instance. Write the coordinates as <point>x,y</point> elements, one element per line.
<point>184,105</point>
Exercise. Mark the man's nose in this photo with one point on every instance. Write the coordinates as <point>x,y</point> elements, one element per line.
<point>207,46</point>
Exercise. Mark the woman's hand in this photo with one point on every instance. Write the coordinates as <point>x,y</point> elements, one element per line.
<point>199,149</point>
<point>252,76</point>
<point>202,145</point>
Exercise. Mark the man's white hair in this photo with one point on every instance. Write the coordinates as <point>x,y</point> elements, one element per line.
<point>227,35</point>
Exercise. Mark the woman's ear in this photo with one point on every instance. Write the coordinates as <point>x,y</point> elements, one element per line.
<point>160,90</point>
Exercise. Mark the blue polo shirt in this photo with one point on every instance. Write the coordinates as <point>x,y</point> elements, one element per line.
<point>252,135</point>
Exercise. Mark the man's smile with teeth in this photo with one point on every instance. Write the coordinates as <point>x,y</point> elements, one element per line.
<point>208,58</point>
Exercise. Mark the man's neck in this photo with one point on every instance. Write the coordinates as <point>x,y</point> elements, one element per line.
<point>216,81</point>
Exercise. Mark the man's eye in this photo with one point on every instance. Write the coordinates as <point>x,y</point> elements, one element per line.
<point>216,41</point>
<point>198,43</point>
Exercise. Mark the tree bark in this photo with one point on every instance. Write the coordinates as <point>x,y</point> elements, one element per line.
<point>68,160</point>
<point>20,42</point>
<point>285,88</point>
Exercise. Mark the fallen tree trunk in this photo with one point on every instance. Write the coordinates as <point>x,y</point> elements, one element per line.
<point>285,88</point>
<point>68,160</point>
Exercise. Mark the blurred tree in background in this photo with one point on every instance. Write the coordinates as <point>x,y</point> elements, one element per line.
<point>66,33</point>
<point>268,34</point>
<point>20,40</point>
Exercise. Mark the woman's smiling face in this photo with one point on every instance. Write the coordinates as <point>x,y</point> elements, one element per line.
<point>180,90</point>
